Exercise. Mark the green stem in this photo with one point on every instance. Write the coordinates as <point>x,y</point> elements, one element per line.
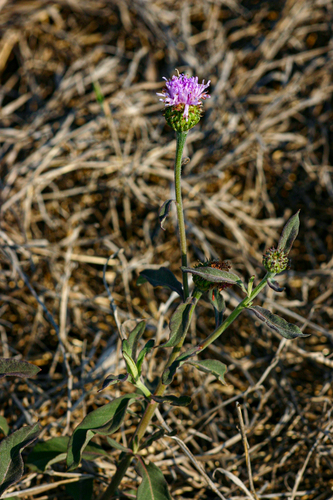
<point>151,407</point>
<point>242,305</point>
<point>116,479</point>
<point>181,138</point>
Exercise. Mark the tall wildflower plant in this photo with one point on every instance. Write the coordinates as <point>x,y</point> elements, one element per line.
<point>183,98</point>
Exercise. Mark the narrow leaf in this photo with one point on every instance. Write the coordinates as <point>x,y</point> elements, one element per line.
<point>153,437</point>
<point>179,323</point>
<point>173,400</point>
<point>4,426</point>
<point>213,366</point>
<point>274,285</point>
<point>46,453</point>
<point>17,368</point>
<point>277,324</point>
<point>146,350</point>
<point>169,372</point>
<point>216,275</point>
<point>11,463</point>
<point>134,337</point>
<point>113,379</point>
<point>153,485</point>
<point>118,446</point>
<point>105,421</point>
<point>130,364</point>
<point>289,234</point>
<point>216,299</point>
<point>163,277</point>
<point>164,212</point>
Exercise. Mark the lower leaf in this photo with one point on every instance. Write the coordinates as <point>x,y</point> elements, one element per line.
<point>153,485</point>
<point>105,421</point>
<point>11,463</point>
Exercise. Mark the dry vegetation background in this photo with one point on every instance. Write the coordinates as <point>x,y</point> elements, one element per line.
<point>82,177</point>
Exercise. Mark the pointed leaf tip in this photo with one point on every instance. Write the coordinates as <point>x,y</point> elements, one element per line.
<point>162,277</point>
<point>164,212</point>
<point>213,366</point>
<point>17,368</point>
<point>274,285</point>
<point>289,234</point>
<point>277,324</point>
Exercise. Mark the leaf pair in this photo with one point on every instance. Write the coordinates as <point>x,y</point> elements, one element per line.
<point>133,363</point>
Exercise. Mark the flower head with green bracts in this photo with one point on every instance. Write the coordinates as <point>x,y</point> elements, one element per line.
<point>183,96</point>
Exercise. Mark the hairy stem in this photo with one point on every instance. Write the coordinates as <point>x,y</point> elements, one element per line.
<point>181,138</point>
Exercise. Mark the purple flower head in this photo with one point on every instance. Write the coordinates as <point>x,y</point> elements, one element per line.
<point>184,90</point>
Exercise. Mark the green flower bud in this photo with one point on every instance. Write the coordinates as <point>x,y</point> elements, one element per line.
<point>174,116</point>
<point>275,261</point>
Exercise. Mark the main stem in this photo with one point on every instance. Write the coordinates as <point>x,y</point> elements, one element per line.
<point>181,138</point>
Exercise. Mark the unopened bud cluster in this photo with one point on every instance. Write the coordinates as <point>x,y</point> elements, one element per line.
<point>205,285</point>
<point>275,261</point>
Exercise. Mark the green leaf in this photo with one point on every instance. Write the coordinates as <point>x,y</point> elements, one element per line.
<point>216,275</point>
<point>146,350</point>
<point>216,299</point>
<point>54,450</point>
<point>11,463</point>
<point>17,368</point>
<point>153,485</point>
<point>130,364</point>
<point>289,234</point>
<point>179,322</point>
<point>4,426</point>
<point>153,437</point>
<point>163,277</point>
<point>173,400</point>
<point>113,379</point>
<point>81,490</point>
<point>105,421</point>
<point>164,211</point>
<point>169,372</point>
<point>274,285</point>
<point>118,446</point>
<point>213,366</point>
<point>277,324</point>
<point>134,337</point>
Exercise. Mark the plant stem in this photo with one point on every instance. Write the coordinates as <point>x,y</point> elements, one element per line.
<point>242,305</point>
<point>116,479</point>
<point>151,407</point>
<point>181,138</point>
